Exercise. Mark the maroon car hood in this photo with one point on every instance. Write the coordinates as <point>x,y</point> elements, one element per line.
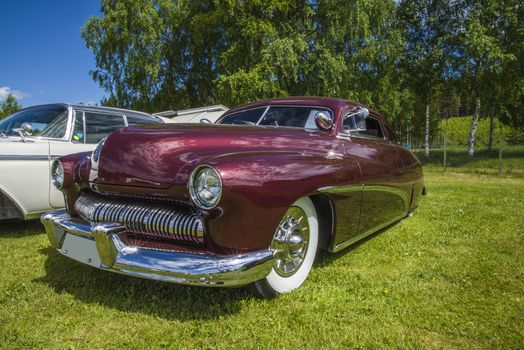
<point>160,156</point>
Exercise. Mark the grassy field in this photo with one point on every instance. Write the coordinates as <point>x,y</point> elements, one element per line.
<point>451,276</point>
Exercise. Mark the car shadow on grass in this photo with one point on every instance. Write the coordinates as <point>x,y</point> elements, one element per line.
<point>18,228</point>
<point>136,295</point>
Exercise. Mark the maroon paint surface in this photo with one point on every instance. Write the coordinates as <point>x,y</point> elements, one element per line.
<point>263,169</point>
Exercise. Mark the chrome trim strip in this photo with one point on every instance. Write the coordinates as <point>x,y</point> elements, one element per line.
<point>23,157</point>
<point>405,196</point>
<point>352,188</point>
<point>364,234</point>
<point>169,266</point>
<point>341,189</point>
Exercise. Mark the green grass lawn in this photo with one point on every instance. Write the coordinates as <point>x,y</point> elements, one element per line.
<point>451,276</point>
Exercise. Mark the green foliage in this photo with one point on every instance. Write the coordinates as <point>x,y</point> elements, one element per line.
<point>161,54</point>
<point>9,106</point>
<point>448,277</point>
<point>458,132</point>
<point>396,56</point>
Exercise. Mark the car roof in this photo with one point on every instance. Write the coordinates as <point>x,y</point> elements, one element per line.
<point>83,107</point>
<point>334,104</point>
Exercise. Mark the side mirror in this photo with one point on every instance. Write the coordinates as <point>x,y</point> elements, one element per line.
<point>323,121</point>
<point>27,128</point>
<point>205,121</point>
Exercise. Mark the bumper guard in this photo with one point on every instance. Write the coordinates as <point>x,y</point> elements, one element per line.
<point>110,253</point>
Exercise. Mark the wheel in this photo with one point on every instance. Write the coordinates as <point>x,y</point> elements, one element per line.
<point>294,247</point>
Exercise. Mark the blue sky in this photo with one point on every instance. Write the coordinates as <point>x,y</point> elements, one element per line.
<point>43,58</point>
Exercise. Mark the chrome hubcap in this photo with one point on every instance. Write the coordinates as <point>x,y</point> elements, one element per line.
<point>290,242</point>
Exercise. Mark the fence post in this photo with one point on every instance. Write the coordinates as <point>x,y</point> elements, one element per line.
<point>445,143</point>
<point>500,149</point>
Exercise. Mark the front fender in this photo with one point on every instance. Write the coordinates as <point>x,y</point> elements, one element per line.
<point>258,188</point>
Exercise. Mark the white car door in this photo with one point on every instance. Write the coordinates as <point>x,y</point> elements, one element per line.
<point>24,173</point>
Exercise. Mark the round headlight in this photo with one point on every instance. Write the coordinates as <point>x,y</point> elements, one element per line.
<point>205,187</point>
<point>57,174</point>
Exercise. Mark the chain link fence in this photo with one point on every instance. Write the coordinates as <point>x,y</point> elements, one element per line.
<point>498,148</point>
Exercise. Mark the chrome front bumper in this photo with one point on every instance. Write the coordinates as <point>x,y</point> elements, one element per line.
<point>99,245</point>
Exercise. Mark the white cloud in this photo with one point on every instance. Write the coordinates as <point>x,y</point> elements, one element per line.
<point>6,90</point>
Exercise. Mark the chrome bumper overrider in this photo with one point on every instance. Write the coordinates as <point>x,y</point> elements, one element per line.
<point>103,240</point>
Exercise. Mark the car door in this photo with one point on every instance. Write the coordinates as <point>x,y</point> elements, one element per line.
<point>88,129</point>
<point>383,197</point>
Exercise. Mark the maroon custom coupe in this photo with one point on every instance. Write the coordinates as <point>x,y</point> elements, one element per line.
<point>247,200</point>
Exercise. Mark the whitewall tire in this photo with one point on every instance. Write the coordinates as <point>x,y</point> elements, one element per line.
<point>294,247</point>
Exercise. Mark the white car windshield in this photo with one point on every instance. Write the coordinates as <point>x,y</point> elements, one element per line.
<point>47,121</point>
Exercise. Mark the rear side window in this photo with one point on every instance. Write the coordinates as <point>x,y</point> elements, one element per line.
<point>99,125</point>
<point>392,136</point>
<point>78,130</point>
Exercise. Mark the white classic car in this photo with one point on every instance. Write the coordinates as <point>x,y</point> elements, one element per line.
<point>32,138</point>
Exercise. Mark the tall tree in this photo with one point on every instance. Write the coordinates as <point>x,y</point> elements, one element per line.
<point>9,106</point>
<point>484,55</point>
<point>160,54</point>
<point>428,28</point>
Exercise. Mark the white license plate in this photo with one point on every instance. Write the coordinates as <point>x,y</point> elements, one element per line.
<point>81,249</point>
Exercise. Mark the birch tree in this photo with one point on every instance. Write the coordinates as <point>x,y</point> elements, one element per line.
<point>428,29</point>
<point>484,53</point>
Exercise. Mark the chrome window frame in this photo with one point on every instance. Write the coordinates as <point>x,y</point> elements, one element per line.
<point>352,134</point>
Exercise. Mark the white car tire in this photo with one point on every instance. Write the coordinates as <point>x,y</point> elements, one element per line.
<point>294,248</point>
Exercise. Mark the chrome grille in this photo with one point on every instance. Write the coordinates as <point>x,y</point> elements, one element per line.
<point>149,218</point>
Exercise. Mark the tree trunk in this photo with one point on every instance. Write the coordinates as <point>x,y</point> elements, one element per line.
<point>426,136</point>
<point>491,117</point>
<point>473,130</point>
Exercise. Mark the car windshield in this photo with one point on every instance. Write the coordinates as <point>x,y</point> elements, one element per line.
<point>42,120</point>
<point>279,116</point>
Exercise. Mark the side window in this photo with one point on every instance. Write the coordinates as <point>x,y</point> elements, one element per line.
<point>372,128</point>
<point>138,121</point>
<point>392,136</point>
<point>100,125</point>
<point>364,126</point>
<point>78,129</point>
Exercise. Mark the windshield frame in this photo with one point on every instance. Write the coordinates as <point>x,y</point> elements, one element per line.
<point>67,134</point>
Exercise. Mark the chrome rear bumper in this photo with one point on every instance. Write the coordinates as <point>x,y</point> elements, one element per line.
<point>109,252</point>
